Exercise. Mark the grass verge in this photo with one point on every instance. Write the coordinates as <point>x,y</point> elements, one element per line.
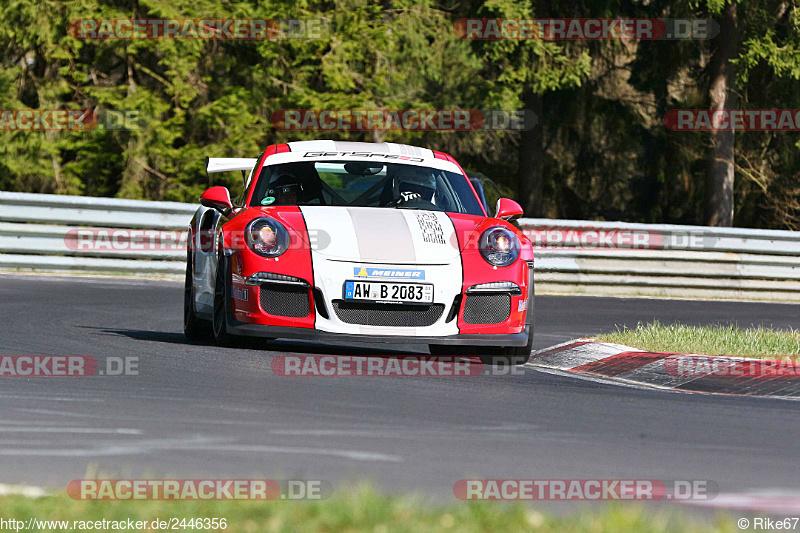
<point>708,340</point>
<point>363,509</point>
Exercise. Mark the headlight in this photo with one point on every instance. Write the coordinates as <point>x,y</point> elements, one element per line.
<point>267,237</point>
<point>499,246</point>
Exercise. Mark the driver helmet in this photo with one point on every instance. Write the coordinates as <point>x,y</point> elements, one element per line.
<point>413,186</point>
<point>286,183</point>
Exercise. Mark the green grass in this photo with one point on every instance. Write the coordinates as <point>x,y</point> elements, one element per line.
<point>363,509</point>
<point>708,340</point>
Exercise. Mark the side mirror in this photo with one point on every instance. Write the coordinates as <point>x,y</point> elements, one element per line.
<point>508,209</point>
<point>217,198</point>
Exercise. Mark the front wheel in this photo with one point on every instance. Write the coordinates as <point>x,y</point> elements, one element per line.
<point>489,355</point>
<point>516,355</point>
<point>509,355</point>
<point>500,356</point>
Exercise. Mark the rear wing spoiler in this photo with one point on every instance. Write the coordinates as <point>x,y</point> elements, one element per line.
<point>226,164</point>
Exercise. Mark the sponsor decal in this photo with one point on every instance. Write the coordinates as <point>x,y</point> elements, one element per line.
<point>268,200</point>
<point>239,294</point>
<point>365,154</point>
<point>432,230</point>
<point>585,489</point>
<point>370,272</point>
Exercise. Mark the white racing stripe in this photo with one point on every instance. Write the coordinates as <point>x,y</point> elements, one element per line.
<point>336,236</point>
<point>371,234</point>
<point>394,243</point>
<point>383,235</point>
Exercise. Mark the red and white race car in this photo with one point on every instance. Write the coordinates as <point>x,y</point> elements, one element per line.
<point>362,242</point>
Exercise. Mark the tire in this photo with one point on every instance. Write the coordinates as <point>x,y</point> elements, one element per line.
<point>510,355</point>
<point>501,356</point>
<point>221,296</point>
<point>195,329</point>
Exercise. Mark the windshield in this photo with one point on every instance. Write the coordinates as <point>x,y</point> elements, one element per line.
<point>365,184</point>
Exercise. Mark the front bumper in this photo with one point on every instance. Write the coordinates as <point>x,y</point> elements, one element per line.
<point>320,321</point>
<point>258,330</point>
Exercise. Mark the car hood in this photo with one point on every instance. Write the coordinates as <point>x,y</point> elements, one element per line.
<point>381,235</point>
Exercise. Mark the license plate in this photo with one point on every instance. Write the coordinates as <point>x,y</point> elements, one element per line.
<point>388,292</point>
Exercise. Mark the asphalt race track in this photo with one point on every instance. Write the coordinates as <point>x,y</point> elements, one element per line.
<point>198,411</point>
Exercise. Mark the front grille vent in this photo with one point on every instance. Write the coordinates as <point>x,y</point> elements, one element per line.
<point>382,314</point>
<point>487,308</point>
<point>284,300</point>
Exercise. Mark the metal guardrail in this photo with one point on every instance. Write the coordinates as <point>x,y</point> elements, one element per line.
<point>668,260</point>
<point>43,232</point>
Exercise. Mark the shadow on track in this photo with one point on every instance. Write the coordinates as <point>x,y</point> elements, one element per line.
<point>170,337</point>
<point>255,343</point>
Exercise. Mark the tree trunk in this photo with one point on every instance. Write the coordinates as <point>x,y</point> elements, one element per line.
<point>531,155</point>
<point>719,180</point>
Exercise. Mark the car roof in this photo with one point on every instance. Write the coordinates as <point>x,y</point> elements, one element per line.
<point>327,150</point>
<point>361,147</point>
<point>332,151</point>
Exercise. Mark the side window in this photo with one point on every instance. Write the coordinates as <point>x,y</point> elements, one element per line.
<point>445,197</point>
<point>469,202</point>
